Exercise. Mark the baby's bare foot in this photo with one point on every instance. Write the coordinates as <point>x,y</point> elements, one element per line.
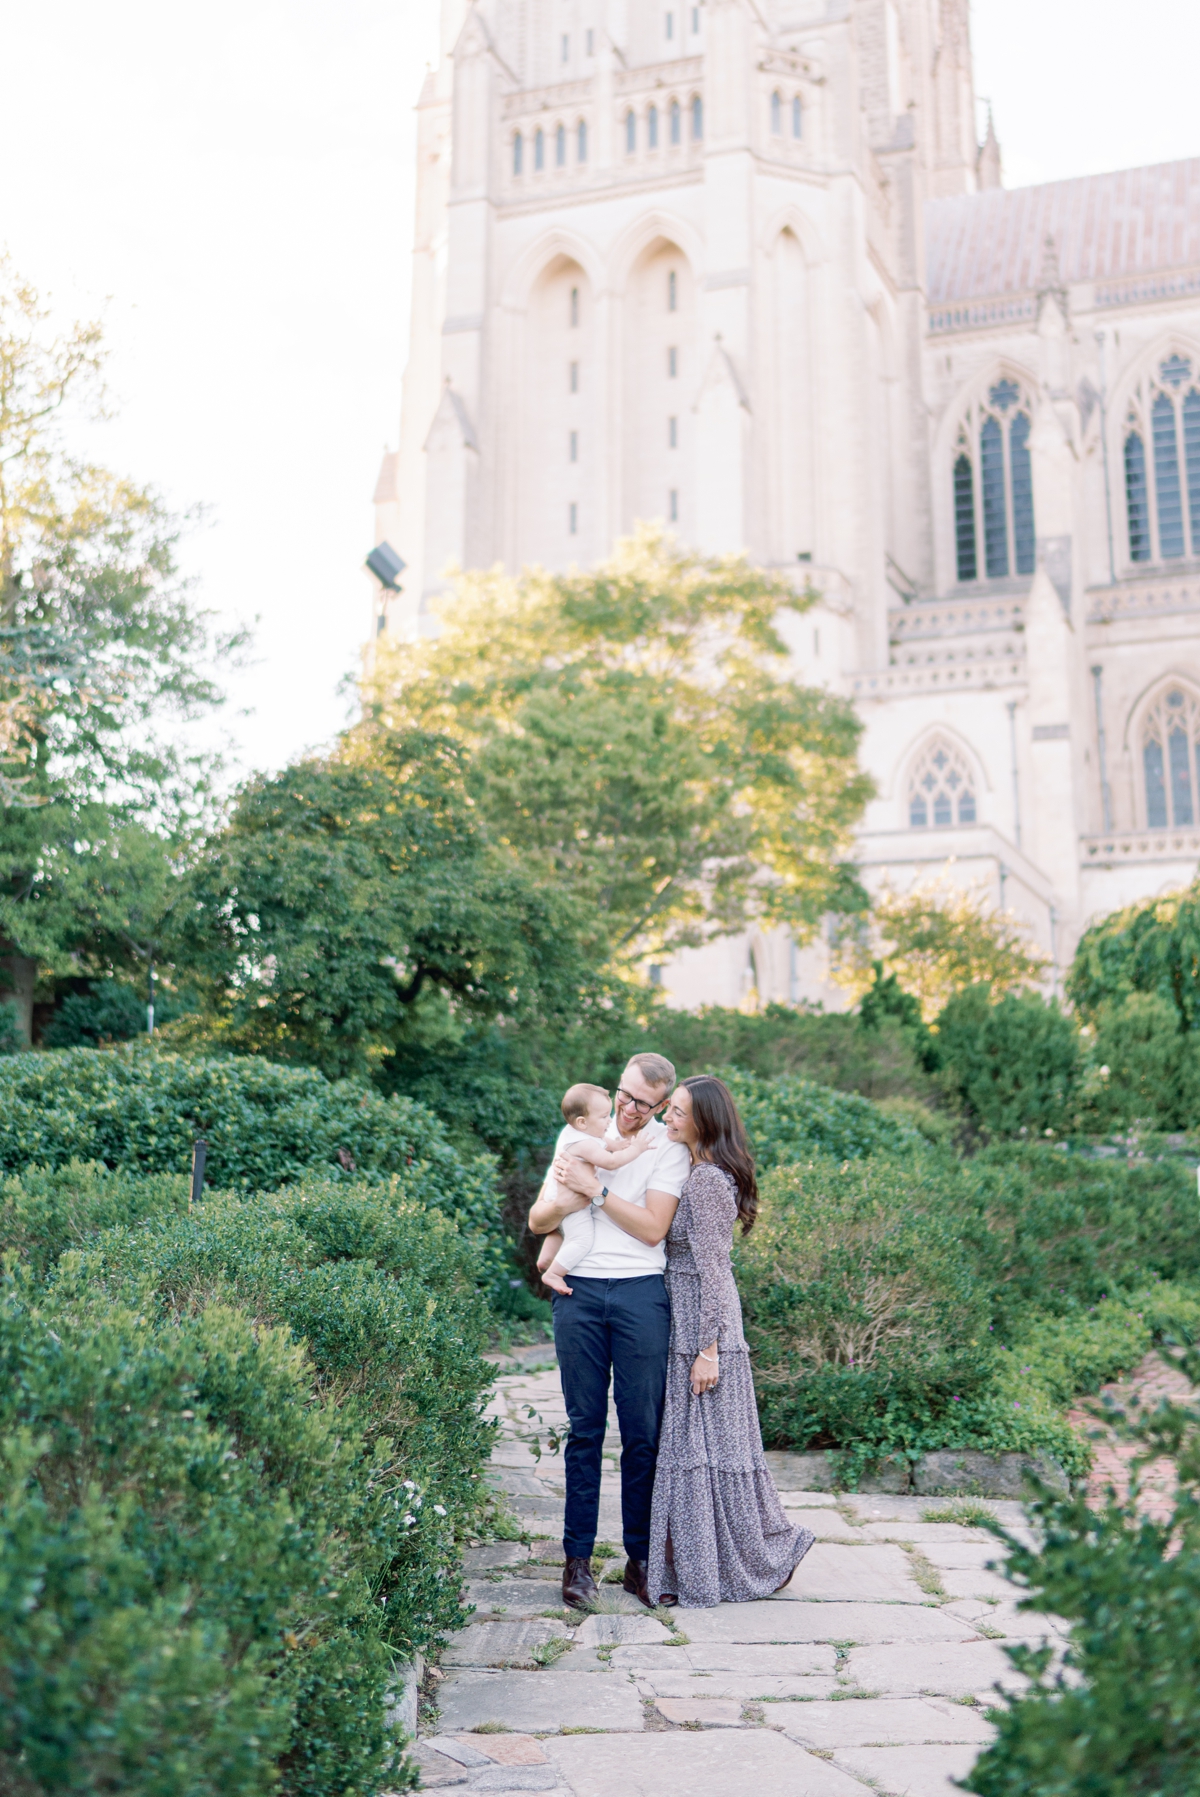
<point>556,1282</point>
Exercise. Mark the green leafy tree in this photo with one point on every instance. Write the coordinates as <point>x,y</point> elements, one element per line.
<point>1150,947</point>
<point>636,734</point>
<point>355,905</point>
<point>1014,1062</point>
<point>101,643</point>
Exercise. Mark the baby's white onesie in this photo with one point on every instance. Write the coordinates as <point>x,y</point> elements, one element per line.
<point>579,1228</point>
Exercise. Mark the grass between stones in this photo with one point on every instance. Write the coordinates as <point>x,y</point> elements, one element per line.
<point>968,1512</point>
<point>926,1575</point>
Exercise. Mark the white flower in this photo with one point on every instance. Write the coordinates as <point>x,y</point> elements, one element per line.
<point>409,1486</point>
<point>440,1509</point>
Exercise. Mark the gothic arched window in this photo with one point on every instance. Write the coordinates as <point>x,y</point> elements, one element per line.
<point>652,128</point>
<point>797,117</point>
<point>560,146</point>
<point>581,141</point>
<point>941,790</point>
<point>539,149</point>
<point>697,118</point>
<point>518,153</point>
<point>676,125</point>
<point>630,133</point>
<point>993,486</point>
<point>1171,759</point>
<point>672,292</point>
<point>1162,464</point>
<point>777,114</point>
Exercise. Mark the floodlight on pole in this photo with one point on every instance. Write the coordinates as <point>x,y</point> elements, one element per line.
<point>386,566</point>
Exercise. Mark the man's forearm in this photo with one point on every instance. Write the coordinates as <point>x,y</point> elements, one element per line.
<point>647,1222</point>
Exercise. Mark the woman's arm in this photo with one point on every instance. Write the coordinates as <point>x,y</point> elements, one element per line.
<point>647,1223</point>
<point>712,1212</point>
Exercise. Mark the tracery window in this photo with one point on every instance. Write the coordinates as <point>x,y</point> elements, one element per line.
<point>993,486</point>
<point>797,117</point>
<point>1171,759</point>
<point>941,790</point>
<point>777,114</point>
<point>630,133</point>
<point>1161,454</point>
<point>652,128</point>
<point>676,122</point>
<point>518,153</point>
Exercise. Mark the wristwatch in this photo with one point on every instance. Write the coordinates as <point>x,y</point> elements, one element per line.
<point>598,1200</point>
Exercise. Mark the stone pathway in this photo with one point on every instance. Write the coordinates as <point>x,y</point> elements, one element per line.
<point>1148,1384</point>
<point>869,1673</point>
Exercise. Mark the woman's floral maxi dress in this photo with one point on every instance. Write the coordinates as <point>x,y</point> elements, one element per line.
<point>718,1533</point>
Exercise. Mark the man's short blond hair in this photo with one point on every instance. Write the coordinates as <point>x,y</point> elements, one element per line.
<point>655,1069</point>
<point>578,1100</point>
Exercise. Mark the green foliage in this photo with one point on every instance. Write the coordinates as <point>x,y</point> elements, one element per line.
<point>106,1013</point>
<point>1014,1063</point>
<point>356,905</point>
<point>11,1039</point>
<point>266,1126</point>
<point>228,1477</point>
<point>1151,947</point>
<point>789,1119</point>
<point>636,736</point>
<point>1145,1067</point>
<point>1056,1231</point>
<point>1123,1716</point>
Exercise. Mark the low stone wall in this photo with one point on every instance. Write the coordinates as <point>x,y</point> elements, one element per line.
<point>940,1474</point>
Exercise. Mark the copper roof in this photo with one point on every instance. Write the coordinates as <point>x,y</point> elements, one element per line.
<point>1136,221</point>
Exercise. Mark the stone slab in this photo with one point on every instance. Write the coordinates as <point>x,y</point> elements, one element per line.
<point>880,1721</point>
<point>772,1620</point>
<point>909,1771</point>
<point>533,1703</point>
<point>713,1712</point>
<point>959,1670</point>
<point>918,1533</point>
<point>793,1660</point>
<point>515,1597</point>
<point>808,1500</point>
<point>827,1525</point>
<point>537,1509</point>
<point>998,1475</point>
<point>612,1631</point>
<point>463,1753</point>
<point>742,1763</point>
<point>510,1750</point>
<point>962,1555</point>
<point>1019,1625</point>
<point>514,1481</point>
<point>741,1687</point>
<point>800,1472</point>
<point>438,1771</point>
<point>968,1584</point>
<point>516,1778</point>
<point>868,1574</point>
<point>494,1554</point>
<point>501,1643</point>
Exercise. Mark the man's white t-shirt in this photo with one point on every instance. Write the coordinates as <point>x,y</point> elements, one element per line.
<point>614,1254</point>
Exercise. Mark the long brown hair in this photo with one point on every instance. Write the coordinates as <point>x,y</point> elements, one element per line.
<point>721,1139</point>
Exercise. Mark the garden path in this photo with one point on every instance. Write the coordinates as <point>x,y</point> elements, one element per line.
<point>1146,1386</point>
<point>869,1673</point>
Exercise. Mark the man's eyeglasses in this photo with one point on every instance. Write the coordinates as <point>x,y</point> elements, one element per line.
<point>643,1106</point>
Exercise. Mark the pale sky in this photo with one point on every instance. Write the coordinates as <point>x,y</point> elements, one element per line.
<point>236,182</point>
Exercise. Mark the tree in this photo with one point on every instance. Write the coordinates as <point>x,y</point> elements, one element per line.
<point>355,906</point>
<point>936,941</point>
<point>636,734</point>
<point>100,641</point>
<point>1152,947</point>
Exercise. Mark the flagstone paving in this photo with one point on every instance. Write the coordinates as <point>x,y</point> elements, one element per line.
<point>870,1673</point>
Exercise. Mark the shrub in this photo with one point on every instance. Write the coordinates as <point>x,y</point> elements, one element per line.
<point>1051,1230</point>
<point>187,1563</point>
<point>1146,1068</point>
<point>1014,1063</point>
<point>107,1012</point>
<point>50,1209</point>
<point>868,1325</point>
<point>267,1126</point>
<point>790,1119</point>
<point>1123,1716</point>
<point>12,1041</point>
<point>874,1054</point>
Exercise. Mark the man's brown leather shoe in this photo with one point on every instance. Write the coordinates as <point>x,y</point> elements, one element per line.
<point>579,1587</point>
<point>635,1581</point>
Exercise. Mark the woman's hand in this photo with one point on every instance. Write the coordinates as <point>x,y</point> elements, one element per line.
<point>706,1370</point>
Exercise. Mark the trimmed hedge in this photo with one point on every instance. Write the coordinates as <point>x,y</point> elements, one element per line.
<point>266,1126</point>
<point>789,1119</point>
<point>238,1445</point>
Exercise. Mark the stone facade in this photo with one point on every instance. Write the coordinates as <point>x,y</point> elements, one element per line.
<point>742,266</point>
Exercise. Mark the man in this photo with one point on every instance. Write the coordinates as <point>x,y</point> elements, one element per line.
<point>617,1318</point>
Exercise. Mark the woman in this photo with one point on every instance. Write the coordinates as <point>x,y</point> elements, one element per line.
<point>717,1533</point>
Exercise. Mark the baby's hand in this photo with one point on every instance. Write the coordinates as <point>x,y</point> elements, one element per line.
<point>644,1140</point>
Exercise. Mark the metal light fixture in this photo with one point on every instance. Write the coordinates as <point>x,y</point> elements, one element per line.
<point>386,565</point>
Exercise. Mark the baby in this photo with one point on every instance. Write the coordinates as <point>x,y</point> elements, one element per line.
<point>586,1112</point>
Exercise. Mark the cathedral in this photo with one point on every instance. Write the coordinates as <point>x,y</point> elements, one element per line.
<point>744,267</point>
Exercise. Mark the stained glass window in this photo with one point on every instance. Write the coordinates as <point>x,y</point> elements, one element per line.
<point>993,487</point>
<point>518,153</point>
<point>797,117</point>
<point>652,128</point>
<point>1162,464</point>
<point>941,791</point>
<point>676,129</point>
<point>1171,760</point>
<point>777,114</point>
<point>630,133</point>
